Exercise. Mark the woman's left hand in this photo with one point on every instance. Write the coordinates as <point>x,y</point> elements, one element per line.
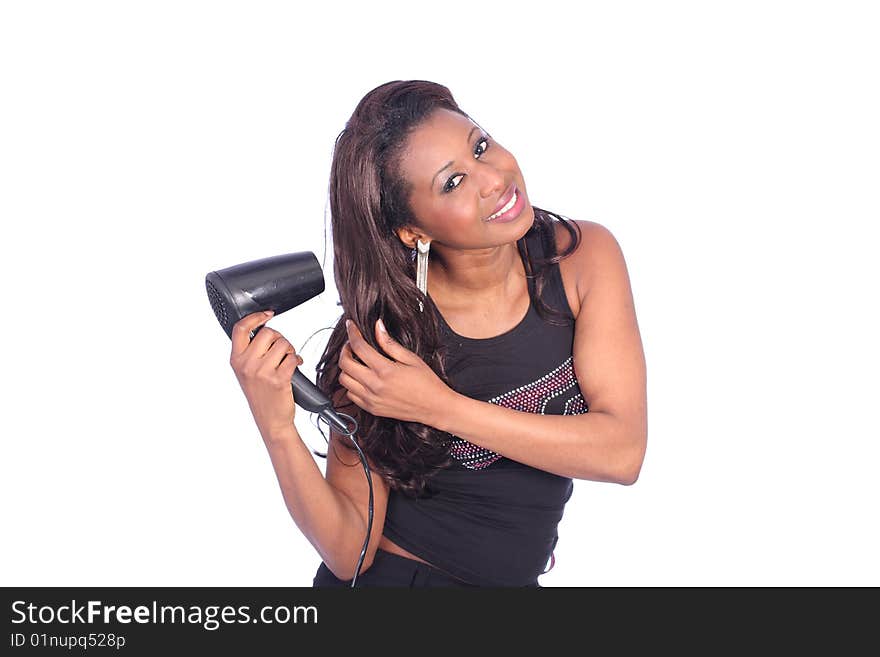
<point>406,390</point>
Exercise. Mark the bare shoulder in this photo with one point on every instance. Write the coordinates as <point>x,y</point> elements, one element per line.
<point>597,247</point>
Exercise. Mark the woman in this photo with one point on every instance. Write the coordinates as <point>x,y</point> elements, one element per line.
<point>469,352</point>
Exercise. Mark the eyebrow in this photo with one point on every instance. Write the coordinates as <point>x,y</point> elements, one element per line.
<point>449,164</point>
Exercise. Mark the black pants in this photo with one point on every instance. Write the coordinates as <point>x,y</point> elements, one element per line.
<point>390,569</point>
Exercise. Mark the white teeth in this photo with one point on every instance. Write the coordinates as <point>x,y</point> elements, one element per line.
<point>507,207</point>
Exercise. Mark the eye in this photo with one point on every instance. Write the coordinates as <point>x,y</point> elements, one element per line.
<point>477,152</point>
<point>481,140</point>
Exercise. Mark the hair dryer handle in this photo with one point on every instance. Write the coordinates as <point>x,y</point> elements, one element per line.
<point>307,395</point>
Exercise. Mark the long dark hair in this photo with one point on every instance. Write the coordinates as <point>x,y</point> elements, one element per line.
<point>375,272</point>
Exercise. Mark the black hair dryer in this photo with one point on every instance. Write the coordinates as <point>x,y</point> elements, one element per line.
<point>278,283</point>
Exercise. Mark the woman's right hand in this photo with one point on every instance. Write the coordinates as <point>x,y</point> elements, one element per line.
<point>264,367</point>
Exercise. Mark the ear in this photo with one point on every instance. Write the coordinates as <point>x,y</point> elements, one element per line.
<point>409,236</point>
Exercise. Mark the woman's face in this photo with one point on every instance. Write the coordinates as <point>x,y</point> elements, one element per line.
<point>459,175</point>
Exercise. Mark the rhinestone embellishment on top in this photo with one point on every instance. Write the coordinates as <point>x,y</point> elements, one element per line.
<point>531,398</point>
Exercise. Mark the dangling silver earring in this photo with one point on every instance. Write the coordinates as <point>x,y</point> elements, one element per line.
<point>422,270</point>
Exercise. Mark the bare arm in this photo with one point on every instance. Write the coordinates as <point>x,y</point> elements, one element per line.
<point>331,512</point>
<point>607,443</point>
<point>593,446</point>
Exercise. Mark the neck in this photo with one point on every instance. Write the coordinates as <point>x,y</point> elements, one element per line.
<point>460,277</point>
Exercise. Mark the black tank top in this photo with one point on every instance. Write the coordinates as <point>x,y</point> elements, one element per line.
<point>487,519</point>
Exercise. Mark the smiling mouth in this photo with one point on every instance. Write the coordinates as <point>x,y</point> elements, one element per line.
<point>507,206</point>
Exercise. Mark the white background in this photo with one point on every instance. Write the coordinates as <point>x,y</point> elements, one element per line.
<point>731,147</point>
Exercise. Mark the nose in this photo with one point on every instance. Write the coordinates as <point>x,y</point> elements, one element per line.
<point>494,182</point>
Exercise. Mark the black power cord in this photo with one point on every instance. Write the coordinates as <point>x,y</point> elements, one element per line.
<point>351,434</point>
